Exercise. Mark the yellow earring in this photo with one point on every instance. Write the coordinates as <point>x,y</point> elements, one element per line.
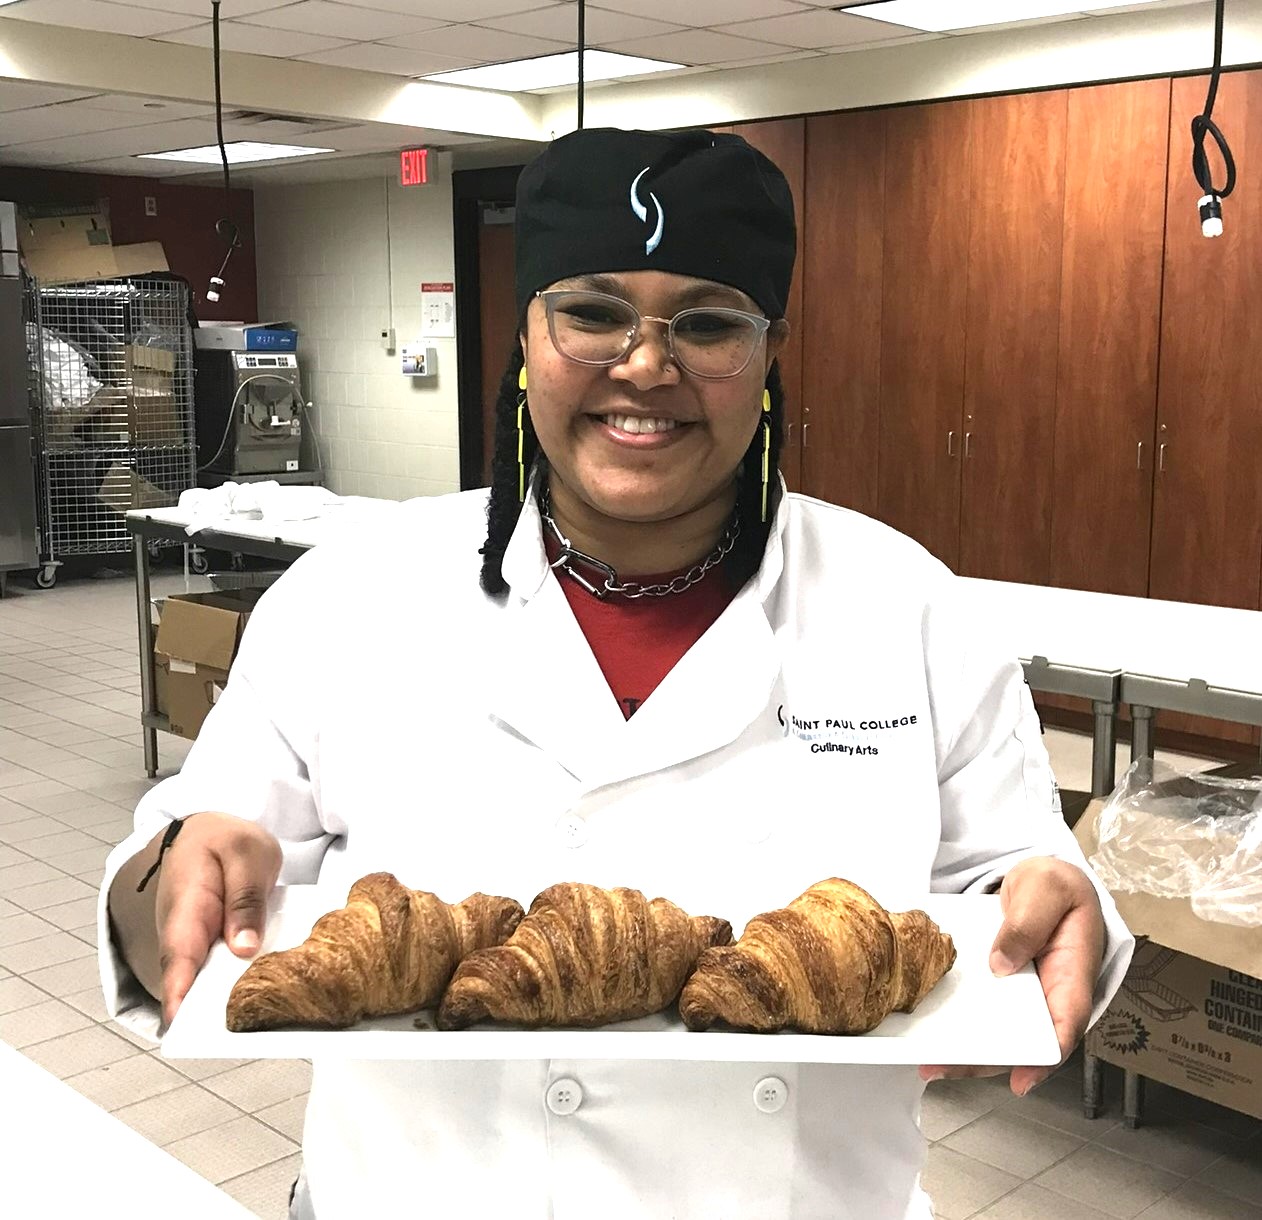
<point>521,437</point>
<point>766,450</point>
<point>766,464</point>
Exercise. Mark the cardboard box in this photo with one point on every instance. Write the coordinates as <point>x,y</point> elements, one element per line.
<point>70,234</point>
<point>64,249</point>
<point>140,258</point>
<point>197,640</point>
<point>1189,1013</point>
<point>143,412</point>
<point>122,489</point>
<point>153,415</point>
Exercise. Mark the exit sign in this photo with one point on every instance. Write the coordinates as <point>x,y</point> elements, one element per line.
<point>414,167</point>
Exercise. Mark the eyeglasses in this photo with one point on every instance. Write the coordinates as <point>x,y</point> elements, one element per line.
<point>595,328</point>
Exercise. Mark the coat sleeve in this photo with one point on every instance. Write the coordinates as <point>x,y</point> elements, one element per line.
<point>998,798</point>
<point>253,759</point>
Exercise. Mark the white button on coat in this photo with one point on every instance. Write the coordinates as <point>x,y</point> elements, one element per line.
<point>564,1096</point>
<point>770,1094</point>
<point>572,830</point>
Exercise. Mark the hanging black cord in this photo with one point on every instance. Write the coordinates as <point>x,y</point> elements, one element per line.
<point>225,226</point>
<point>1203,124</point>
<point>582,48</point>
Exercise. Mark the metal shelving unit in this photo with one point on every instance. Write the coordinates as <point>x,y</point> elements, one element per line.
<point>115,426</point>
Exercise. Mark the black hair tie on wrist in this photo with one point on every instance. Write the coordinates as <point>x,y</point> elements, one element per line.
<point>167,839</point>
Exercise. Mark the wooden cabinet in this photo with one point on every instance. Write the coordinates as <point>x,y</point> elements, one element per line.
<point>1110,311</point>
<point>783,140</point>
<point>1207,511</point>
<point>1015,216</point>
<point>928,180</point>
<point>841,274</point>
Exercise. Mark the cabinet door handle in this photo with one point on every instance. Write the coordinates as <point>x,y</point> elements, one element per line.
<point>1161,457</point>
<point>1139,456</point>
<point>804,429</point>
<point>968,444</point>
<point>950,444</point>
<point>788,434</point>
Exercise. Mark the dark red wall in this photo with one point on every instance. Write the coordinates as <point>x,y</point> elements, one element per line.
<point>185,225</point>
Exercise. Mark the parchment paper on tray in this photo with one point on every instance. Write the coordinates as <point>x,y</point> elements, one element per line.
<point>970,1017</point>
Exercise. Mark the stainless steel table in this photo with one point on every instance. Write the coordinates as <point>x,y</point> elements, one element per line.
<point>282,541</point>
<point>1173,656</point>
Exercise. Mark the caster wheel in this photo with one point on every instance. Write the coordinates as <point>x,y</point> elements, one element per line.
<point>46,577</point>
<point>155,552</point>
<point>198,563</point>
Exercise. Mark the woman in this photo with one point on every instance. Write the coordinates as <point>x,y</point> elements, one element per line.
<point>664,672</point>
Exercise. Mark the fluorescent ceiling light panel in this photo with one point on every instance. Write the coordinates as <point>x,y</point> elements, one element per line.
<point>551,71</point>
<point>938,16</point>
<point>239,151</point>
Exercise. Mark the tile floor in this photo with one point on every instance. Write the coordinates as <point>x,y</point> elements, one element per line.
<point>71,770</point>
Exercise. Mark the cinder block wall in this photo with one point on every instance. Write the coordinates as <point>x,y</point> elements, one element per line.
<point>324,262</point>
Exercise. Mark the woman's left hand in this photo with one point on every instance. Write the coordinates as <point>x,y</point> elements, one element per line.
<point>1052,918</point>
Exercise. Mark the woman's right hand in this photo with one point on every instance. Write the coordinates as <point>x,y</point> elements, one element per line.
<point>214,881</point>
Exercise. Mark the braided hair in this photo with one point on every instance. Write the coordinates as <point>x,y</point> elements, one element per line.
<point>504,508</point>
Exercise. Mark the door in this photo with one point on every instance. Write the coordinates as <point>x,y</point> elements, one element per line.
<point>1015,221</point>
<point>1110,320</point>
<point>497,315</point>
<point>1207,518</point>
<point>928,179</point>
<point>841,277</point>
<point>783,141</point>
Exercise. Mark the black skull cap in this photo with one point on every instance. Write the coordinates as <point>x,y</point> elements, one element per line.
<point>697,203</point>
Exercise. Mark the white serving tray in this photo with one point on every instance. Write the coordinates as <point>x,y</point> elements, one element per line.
<point>970,1017</point>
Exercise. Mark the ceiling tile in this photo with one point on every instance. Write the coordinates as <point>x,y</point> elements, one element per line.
<point>813,30</point>
<point>96,15</point>
<point>454,10</point>
<point>154,109</point>
<point>97,146</point>
<point>228,9</point>
<point>1059,19</point>
<point>341,21</point>
<point>398,61</point>
<point>70,118</point>
<point>18,95</point>
<point>477,42</point>
<point>705,12</point>
<point>900,40</point>
<point>236,36</point>
<point>1138,8</point>
<point>119,165</point>
<point>558,21</point>
<point>697,47</point>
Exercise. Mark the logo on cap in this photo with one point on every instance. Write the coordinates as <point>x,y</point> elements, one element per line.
<point>643,213</point>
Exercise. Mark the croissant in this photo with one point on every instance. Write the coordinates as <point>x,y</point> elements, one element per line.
<point>833,962</point>
<point>389,950</point>
<point>582,956</point>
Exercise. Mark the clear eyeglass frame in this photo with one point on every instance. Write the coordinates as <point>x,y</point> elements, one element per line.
<point>758,325</point>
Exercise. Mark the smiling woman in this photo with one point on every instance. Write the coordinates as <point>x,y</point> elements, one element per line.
<point>608,703</point>
<point>649,335</point>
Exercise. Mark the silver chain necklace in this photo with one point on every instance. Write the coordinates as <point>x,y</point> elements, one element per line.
<point>571,555</point>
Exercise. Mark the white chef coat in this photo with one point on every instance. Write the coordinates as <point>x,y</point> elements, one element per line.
<point>841,717</point>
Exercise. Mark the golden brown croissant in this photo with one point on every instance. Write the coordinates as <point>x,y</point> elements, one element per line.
<point>582,956</point>
<point>389,950</point>
<point>833,962</point>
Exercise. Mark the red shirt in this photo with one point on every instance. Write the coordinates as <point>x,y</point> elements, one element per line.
<point>638,641</point>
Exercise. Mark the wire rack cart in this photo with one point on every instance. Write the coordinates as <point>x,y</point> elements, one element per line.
<point>115,425</point>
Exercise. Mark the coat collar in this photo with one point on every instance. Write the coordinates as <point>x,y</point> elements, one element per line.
<point>525,563</point>
<point>547,687</point>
